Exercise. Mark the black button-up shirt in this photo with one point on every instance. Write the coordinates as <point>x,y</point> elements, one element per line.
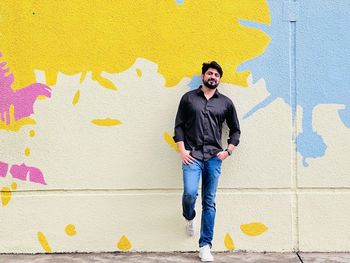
<point>199,123</point>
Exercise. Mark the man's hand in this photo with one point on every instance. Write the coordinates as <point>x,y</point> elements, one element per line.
<point>186,157</point>
<point>222,155</point>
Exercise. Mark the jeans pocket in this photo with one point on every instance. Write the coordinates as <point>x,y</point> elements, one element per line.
<point>217,158</point>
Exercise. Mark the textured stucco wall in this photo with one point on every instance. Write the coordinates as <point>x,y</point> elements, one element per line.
<point>87,110</point>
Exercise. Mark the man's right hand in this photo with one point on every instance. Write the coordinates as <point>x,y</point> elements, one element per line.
<point>186,157</point>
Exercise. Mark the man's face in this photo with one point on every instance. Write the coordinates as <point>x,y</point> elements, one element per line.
<point>211,78</point>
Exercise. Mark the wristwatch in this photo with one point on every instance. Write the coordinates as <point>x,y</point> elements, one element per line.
<point>228,151</point>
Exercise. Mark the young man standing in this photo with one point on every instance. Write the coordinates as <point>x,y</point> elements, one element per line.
<point>198,130</point>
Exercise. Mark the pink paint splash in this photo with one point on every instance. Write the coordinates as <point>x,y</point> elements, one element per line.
<point>22,99</point>
<point>22,172</point>
<point>23,102</point>
<point>3,169</point>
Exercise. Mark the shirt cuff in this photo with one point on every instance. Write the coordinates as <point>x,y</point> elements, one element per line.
<point>178,138</point>
<point>233,141</point>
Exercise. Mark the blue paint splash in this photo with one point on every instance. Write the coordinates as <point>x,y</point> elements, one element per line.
<point>322,65</point>
<point>273,64</point>
<point>195,82</point>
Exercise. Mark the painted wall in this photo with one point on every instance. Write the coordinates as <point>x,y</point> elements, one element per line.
<point>88,96</point>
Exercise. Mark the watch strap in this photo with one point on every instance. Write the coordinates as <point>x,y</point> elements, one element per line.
<point>228,151</point>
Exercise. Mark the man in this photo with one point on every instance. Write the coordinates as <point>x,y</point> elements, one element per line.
<point>198,130</point>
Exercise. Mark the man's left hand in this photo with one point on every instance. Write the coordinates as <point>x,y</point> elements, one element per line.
<point>222,155</point>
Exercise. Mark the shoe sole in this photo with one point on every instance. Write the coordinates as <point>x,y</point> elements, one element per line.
<point>205,260</point>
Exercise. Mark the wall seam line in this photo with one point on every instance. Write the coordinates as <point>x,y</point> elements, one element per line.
<point>294,161</point>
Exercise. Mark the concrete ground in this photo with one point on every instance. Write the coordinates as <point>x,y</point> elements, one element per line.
<point>178,257</point>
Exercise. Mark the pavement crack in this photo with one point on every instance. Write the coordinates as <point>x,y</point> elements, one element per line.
<point>299,257</point>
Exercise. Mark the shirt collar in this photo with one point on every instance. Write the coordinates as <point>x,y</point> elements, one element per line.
<point>199,90</point>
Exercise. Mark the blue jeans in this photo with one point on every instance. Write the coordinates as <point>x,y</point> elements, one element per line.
<point>210,171</point>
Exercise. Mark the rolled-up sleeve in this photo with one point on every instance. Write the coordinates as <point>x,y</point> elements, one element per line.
<point>233,125</point>
<point>179,130</point>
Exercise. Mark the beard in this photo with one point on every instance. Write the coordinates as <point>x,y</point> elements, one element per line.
<point>212,85</point>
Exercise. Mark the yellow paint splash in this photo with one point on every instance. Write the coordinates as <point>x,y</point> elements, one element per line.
<point>70,230</point>
<point>76,97</point>
<point>104,82</point>
<point>42,97</point>
<point>82,77</point>
<point>170,141</point>
<point>106,122</point>
<point>27,152</point>
<point>31,133</point>
<point>229,244</point>
<point>253,229</point>
<point>139,72</point>
<point>109,36</point>
<point>14,125</point>
<point>124,244</point>
<point>6,195</point>
<point>43,242</point>
<point>14,186</point>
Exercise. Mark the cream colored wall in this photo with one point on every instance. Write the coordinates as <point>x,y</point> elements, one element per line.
<point>126,179</point>
<point>118,187</point>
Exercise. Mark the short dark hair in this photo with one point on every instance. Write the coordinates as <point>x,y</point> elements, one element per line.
<point>212,64</point>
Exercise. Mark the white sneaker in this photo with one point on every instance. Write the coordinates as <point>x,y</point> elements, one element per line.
<point>204,254</point>
<point>190,227</point>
